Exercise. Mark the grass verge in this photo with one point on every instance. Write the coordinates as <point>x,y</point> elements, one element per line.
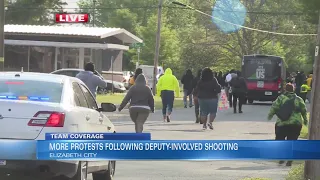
<point>304,130</point>
<point>296,173</point>
<point>117,99</point>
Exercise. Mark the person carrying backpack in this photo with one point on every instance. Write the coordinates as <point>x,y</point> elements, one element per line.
<point>291,112</point>
<point>239,89</point>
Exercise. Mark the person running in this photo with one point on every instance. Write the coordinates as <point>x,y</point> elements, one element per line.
<point>239,89</point>
<point>207,91</point>
<point>136,74</point>
<point>186,80</point>
<point>195,96</point>
<point>141,102</point>
<point>289,122</point>
<point>91,80</point>
<point>168,88</point>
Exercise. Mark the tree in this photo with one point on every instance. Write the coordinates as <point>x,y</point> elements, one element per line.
<point>35,12</point>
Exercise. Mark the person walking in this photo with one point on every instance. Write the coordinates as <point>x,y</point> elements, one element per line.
<point>304,90</point>
<point>136,74</point>
<point>232,74</point>
<point>186,80</point>
<point>220,79</point>
<point>292,113</point>
<point>141,102</point>
<point>309,83</point>
<point>207,91</point>
<point>167,88</point>
<point>239,89</point>
<point>91,80</point>
<point>195,96</point>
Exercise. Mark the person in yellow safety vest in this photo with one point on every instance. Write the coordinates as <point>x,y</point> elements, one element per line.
<point>167,88</point>
<point>304,91</point>
<point>136,74</point>
<point>309,83</point>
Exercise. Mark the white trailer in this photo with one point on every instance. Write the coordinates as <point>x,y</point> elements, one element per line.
<point>148,72</point>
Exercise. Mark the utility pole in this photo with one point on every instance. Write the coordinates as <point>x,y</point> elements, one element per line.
<point>94,12</point>
<point>311,171</point>
<point>2,13</point>
<point>157,51</point>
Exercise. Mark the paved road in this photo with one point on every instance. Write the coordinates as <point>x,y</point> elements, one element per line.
<point>250,125</point>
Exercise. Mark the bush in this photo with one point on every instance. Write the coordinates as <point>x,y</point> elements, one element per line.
<point>296,173</point>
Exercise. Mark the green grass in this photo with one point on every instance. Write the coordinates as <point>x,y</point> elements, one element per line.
<point>296,173</point>
<point>304,130</point>
<point>117,99</point>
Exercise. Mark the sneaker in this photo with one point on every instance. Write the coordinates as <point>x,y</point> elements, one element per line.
<point>204,127</point>
<point>281,162</point>
<point>190,106</point>
<point>168,118</point>
<point>185,106</point>
<point>289,163</point>
<point>240,112</point>
<point>210,126</point>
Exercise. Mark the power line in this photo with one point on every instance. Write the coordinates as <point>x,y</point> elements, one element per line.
<point>241,26</point>
<point>155,7</point>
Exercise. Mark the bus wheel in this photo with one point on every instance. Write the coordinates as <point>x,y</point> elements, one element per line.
<point>250,101</point>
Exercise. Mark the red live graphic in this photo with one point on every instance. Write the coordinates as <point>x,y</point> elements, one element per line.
<point>72,18</point>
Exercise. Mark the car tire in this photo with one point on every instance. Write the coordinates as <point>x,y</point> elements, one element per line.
<point>81,174</point>
<point>107,174</point>
<point>250,101</point>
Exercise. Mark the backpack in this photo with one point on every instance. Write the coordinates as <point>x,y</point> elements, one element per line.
<point>286,109</point>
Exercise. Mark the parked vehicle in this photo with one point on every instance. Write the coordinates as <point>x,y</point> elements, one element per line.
<point>126,78</point>
<point>33,104</point>
<point>117,86</point>
<point>264,75</point>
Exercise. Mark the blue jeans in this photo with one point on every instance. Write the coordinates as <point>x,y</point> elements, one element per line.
<point>185,92</point>
<point>208,106</point>
<point>167,98</point>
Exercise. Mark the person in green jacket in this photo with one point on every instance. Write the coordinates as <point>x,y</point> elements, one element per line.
<point>168,88</point>
<point>289,129</point>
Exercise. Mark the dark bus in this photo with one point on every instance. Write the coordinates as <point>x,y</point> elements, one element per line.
<point>264,75</point>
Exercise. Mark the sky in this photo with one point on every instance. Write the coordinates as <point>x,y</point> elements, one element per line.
<point>71,4</point>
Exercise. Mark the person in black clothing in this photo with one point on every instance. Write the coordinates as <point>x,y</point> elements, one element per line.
<point>239,89</point>
<point>207,91</point>
<point>220,79</point>
<point>195,97</point>
<point>186,80</point>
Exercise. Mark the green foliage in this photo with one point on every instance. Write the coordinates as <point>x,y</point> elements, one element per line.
<point>24,11</point>
<point>256,179</point>
<point>296,173</point>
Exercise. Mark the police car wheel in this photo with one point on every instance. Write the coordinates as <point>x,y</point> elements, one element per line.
<point>250,101</point>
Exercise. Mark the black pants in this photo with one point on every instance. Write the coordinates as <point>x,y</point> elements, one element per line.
<point>303,96</point>
<point>167,98</point>
<point>196,106</point>
<point>237,97</point>
<point>288,132</point>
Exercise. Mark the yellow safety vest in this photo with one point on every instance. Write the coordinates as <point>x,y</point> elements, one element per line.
<point>304,88</point>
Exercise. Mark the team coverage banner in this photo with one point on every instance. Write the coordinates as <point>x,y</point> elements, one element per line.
<point>177,150</point>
